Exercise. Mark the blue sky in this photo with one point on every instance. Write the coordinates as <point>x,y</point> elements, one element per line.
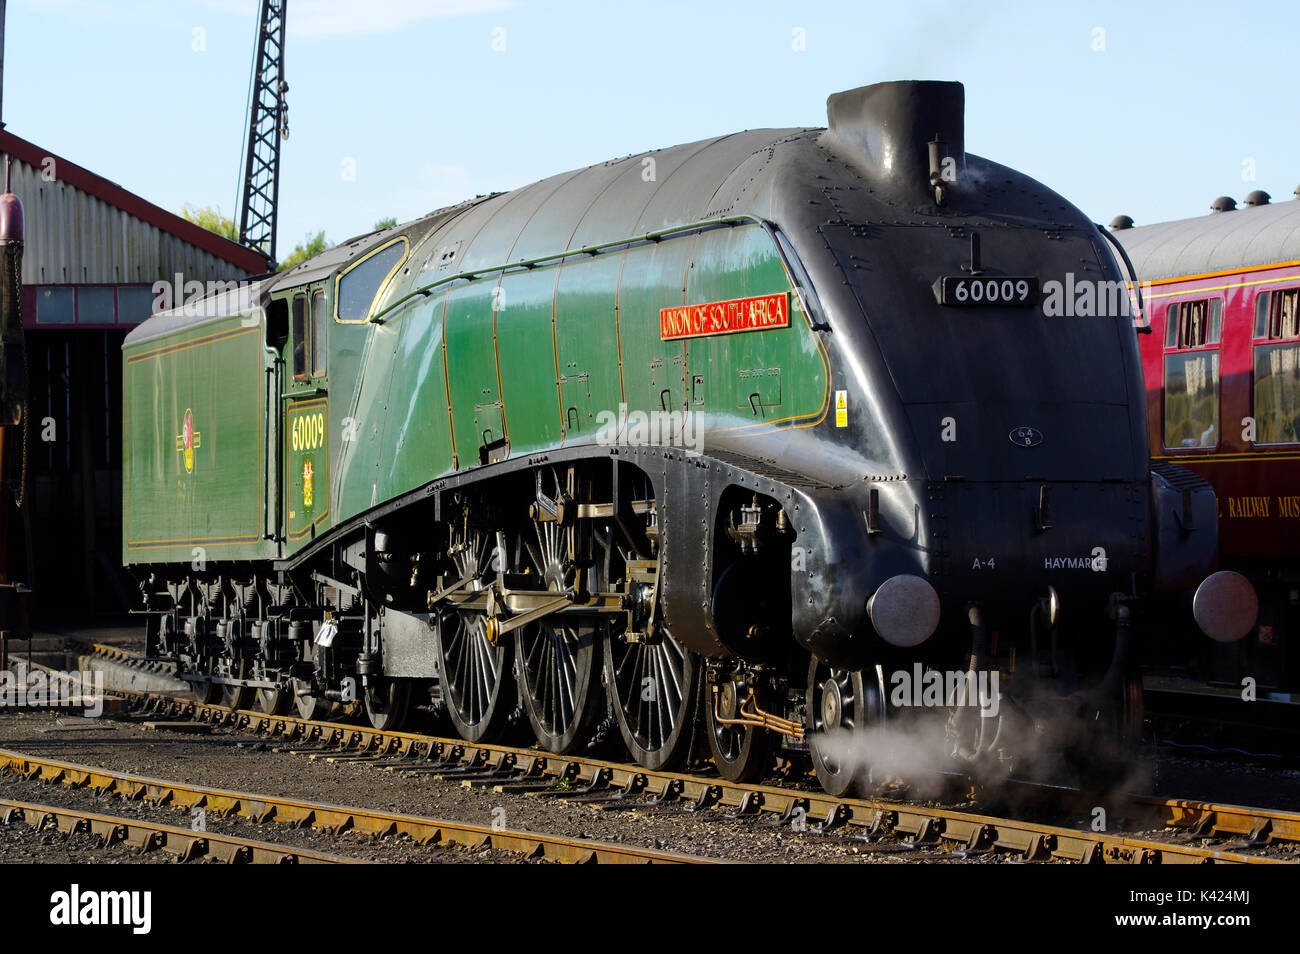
<point>1180,101</point>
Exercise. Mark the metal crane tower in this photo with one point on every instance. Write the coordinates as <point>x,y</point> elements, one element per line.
<point>268,123</point>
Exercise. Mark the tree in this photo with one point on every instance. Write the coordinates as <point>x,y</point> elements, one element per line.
<point>210,218</point>
<point>387,223</point>
<point>309,246</point>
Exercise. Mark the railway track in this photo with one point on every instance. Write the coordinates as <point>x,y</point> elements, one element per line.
<point>615,785</point>
<point>144,835</point>
<point>332,819</point>
<point>1249,831</point>
<point>123,656</point>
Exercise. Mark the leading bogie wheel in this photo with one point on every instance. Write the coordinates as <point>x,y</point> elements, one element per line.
<point>843,705</point>
<point>1109,743</point>
<point>741,752</point>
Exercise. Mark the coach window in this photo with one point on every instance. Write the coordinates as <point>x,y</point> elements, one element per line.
<point>299,333</point>
<point>318,332</point>
<point>1277,367</point>
<point>1192,373</point>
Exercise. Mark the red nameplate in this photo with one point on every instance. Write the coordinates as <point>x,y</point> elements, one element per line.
<point>725,317</point>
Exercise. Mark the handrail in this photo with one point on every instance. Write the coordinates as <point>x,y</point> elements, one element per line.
<point>648,237</point>
<point>1132,274</point>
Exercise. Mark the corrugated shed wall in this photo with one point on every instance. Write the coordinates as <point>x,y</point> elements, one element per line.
<point>75,238</point>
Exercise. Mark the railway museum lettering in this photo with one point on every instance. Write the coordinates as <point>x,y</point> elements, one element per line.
<point>725,317</point>
<point>1247,508</point>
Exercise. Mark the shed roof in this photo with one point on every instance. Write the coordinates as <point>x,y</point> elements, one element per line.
<point>82,228</point>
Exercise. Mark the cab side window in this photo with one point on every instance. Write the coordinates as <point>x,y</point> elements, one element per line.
<point>318,332</point>
<point>359,287</point>
<point>298,333</point>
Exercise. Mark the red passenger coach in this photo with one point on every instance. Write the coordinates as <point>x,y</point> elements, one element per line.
<point>1222,370</point>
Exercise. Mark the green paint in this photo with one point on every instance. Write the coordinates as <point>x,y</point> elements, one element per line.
<point>214,508</point>
<point>544,354</point>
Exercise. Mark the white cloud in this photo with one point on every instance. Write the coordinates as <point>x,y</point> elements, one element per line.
<point>317,19</point>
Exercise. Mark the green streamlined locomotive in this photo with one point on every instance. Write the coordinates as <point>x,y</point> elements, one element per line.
<point>723,436</point>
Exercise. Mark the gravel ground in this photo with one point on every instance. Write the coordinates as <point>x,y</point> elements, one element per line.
<point>1231,781</point>
<point>19,842</point>
<point>223,759</point>
<point>1165,770</point>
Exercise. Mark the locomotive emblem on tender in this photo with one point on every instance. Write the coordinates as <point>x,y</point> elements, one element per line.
<point>757,569</point>
<point>187,441</point>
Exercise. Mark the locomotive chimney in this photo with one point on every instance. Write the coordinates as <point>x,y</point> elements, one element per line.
<point>907,136</point>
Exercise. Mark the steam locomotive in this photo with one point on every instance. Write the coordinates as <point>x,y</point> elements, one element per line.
<point>716,441</point>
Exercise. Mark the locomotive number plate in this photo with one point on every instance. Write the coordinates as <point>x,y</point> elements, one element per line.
<point>976,290</point>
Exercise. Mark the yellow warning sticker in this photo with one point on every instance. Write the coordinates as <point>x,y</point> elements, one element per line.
<point>841,408</point>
